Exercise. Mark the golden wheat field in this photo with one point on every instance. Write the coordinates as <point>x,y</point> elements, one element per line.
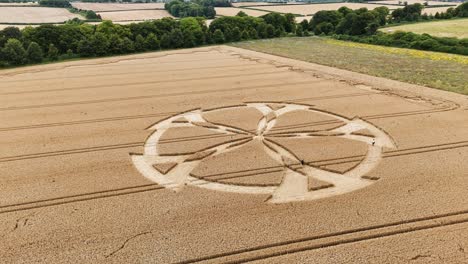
<point>232,11</point>
<point>24,15</point>
<point>134,15</point>
<point>99,7</point>
<point>225,155</point>
<point>314,8</point>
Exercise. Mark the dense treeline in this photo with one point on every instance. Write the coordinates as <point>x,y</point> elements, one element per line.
<point>361,26</point>
<point>415,12</point>
<point>346,21</point>
<point>76,39</point>
<point>198,8</point>
<point>242,27</point>
<point>55,3</point>
<point>412,41</point>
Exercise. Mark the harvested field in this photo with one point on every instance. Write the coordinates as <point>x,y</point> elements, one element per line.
<point>457,28</point>
<point>3,26</point>
<point>23,15</point>
<point>434,10</point>
<point>232,11</point>
<point>100,7</point>
<point>433,69</point>
<point>401,3</point>
<point>314,8</point>
<point>239,4</point>
<point>134,15</point>
<point>18,4</point>
<point>97,162</point>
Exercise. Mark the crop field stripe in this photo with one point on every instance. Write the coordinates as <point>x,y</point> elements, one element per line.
<point>130,70</point>
<point>110,119</point>
<point>89,121</point>
<point>128,10</point>
<point>339,241</point>
<point>376,228</point>
<point>79,198</point>
<point>410,151</point>
<point>168,81</point>
<point>112,63</point>
<point>208,91</point>
<point>401,152</point>
<point>134,189</point>
<point>70,151</point>
<point>242,68</point>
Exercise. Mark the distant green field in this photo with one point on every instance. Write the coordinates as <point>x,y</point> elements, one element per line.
<point>438,70</point>
<point>445,28</point>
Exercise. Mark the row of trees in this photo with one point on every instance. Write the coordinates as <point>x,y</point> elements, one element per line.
<point>197,8</point>
<point>76,39</point>
<point>242,27</point>
<point>346,21</point>
<point>412,41</point>
<point>55,3</point>
<point>415,12</point>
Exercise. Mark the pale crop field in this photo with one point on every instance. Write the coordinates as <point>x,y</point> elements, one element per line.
<point>434,10</point>
<point>446,28</point>
<point>251,4</point>
<point>232,11</point>
<point>22,15</point>
<point>3,26</point>
<point>396,2</point>
<point>226,155</point>
<point>19,4</point>
<point>314,8</point>
<point>99,7</point>
<point>132,15</point>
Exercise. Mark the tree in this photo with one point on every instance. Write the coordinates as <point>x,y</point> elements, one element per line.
<point>262,30</point>
<point>34,53</point>
<point>324,28</point>
<point>100,44</point>
<point>462,10</point>
<point>14,52</point>
<point>299,31</point>
<point>245,35</point>
<point>140,44</point>
<point>235,34</point>
<point>177,38</point>
<point>331,17</point>
<point>189,39</point>
<point>165,41</point>
<point>253,33</point>
<point>290,24</point>
<point>241,14</point>
<point>127,45</point>
<point>53,52</point>
<point>218,36</point>
<point>270,30</point>
<point>304,24</point>
<point>152,42</point>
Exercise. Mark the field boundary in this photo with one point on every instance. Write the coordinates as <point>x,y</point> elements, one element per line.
<point>351,77</point>
<point>150,187</point>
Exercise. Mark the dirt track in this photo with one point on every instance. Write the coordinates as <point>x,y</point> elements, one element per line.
<point>71,192</point>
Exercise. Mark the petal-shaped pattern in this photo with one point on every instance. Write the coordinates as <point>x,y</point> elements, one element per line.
<point>191,139</point>
<point>246,165</point>
<point>244,118</point>
<point>303,121</point>
<point>316,149</point>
